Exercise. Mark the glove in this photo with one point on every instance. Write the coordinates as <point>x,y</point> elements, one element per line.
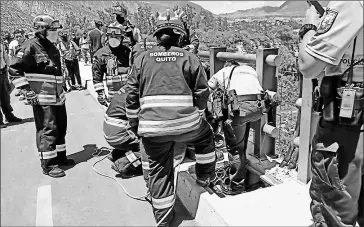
<point>32,98</point>
<point>101,99</point>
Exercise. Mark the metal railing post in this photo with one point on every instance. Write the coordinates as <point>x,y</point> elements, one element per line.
<point>215,63</point>
<point>267,75</point>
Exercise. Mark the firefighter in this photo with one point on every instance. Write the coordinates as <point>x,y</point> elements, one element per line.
<point>167,94</point>
<point>132,33</point>
<point>331,50</point>
<point>36,69</point>
<point>113,61</point>
<point>122,137</point>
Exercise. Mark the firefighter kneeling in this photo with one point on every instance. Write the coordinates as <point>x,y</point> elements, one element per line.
<point>167,94</point>
<point>122,137</point>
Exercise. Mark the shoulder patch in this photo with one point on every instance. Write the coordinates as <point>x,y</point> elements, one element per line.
<point>19,54</point>
<point>327,21</point>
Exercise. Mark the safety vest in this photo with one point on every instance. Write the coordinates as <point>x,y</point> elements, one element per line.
<point>48,87</point>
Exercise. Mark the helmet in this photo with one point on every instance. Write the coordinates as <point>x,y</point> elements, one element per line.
<point>120,10</point>
<point>98,22</point>
<point>19,30</point>
<point>115,29</point>
<point>167,23</point>
<point>43,22</point>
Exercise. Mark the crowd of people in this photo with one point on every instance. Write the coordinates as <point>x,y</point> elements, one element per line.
<point>157,104</point>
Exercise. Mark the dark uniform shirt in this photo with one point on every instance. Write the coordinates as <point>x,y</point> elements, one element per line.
<point>95,39</point>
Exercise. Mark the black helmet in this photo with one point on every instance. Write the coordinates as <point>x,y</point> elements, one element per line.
<point>165,22</point>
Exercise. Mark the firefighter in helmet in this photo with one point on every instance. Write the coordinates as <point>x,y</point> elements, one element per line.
<point>36,69</point>
<point>167,94</point>
<point>111,61</point>
<point>132,33</point>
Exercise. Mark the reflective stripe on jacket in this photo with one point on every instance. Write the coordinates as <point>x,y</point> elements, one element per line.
<point>166,90</point>
<point>37,63</point>
<point>114,64</point>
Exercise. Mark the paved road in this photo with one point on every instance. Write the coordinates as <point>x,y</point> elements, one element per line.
<point>29,198</point>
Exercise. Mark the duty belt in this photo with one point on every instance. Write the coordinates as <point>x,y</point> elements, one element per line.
<point>252,97</point>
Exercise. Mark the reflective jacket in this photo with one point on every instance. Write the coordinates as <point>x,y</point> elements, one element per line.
<point>69,50</point>
<point>167,90</point>
<point>114,62</point>
<point>115,122</point>
<point>37,63</point>
<point>144,44</point>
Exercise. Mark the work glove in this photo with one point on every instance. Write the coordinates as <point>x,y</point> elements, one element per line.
<point>101,98</point>
<point>32,98</point>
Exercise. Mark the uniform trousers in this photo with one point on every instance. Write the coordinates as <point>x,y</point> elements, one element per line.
<point>5,88</point>
<point>160,151</point>
<point>73,69</point>
<point>337,190</point>
<point>51,126</point>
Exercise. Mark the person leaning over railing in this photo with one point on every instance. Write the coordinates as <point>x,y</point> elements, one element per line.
<point>238,83</point>
<point>334,45</point>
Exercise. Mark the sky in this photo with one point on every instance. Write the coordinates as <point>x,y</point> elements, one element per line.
<point>218,7</point>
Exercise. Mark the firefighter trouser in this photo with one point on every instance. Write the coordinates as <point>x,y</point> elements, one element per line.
<point>51,126</point>
<point>179,150</point>
<point>131,143</point>
<point>337,190</point>
<point>73,69</point>
<point>160,154</point>
<point>238,142</point>
<point>5,95</point>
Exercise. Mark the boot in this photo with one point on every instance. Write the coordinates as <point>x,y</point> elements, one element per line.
<point>54,171</point>
<point>12,119</point>
<point>3,125</point>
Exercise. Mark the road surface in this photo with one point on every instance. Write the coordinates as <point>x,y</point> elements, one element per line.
<point>82,198</point>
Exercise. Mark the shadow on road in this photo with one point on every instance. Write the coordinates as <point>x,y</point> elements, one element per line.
<point>26,120</point>
<point>89,151</point>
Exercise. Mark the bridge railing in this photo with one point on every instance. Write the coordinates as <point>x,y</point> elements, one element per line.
<point>266,62</point>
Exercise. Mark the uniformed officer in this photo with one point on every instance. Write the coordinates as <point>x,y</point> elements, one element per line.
<point>167,94</point>
<point>36,68</point>
<point>113,61</point>
<point>334,44</point>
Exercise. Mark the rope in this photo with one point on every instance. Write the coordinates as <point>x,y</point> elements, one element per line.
<point>98,153</point>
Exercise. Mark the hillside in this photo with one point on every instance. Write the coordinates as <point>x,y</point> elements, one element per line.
<point>288,8</point>
<point>15,14</point>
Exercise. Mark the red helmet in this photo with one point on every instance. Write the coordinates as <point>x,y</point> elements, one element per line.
<point>43,22</point>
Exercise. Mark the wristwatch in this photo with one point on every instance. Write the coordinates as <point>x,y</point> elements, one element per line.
<point>305,28</point>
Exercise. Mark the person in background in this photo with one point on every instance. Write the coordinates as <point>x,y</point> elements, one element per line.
<point>95,36</point>
<point>331,50</point>
<point>5,90</point>
<point>85,48</point>
<point>69,52</point>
